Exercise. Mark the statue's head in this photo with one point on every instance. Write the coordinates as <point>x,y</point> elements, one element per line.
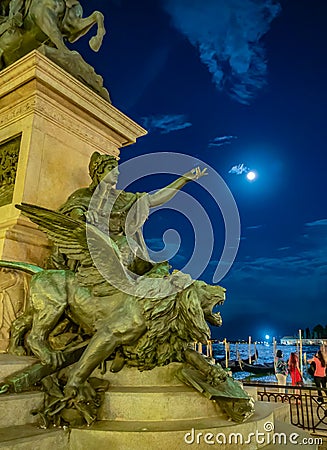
<point>101,165</point>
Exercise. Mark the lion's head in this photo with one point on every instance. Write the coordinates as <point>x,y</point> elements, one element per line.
<point>173,323</point>
<point>210,297</point>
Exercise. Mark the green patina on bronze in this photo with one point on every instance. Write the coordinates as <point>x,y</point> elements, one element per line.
<point>100,287</point>
<point>46,25</point>
<point>9,153</point>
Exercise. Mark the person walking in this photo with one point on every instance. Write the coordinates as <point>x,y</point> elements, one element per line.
<point>319,375</point>
<point>281,370</point>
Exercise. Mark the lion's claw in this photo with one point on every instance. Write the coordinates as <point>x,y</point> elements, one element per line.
<point>216,375</point>
<point>83,393</point>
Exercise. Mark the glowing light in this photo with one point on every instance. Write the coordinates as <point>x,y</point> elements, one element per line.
<point>251,175</point>
<point>267,337</point>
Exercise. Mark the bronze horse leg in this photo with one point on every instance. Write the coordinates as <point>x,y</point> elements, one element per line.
<point>46,16</point>
<point>74,26</point>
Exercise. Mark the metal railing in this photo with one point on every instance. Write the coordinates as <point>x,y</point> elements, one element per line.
<point>307,404</point>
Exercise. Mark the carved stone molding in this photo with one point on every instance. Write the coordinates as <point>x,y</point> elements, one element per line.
<point>71,124</point>
<point>37,71</point>
<point>13,113</point>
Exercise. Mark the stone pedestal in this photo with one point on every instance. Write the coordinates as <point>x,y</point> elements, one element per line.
<point>154,410</point>
<point>149,410</point>
<point>50,124</point>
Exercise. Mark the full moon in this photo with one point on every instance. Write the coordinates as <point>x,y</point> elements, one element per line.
<point>267,337</point>
<point>251,176</point>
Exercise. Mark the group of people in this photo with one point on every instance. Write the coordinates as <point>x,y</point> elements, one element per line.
<point>283,368</point>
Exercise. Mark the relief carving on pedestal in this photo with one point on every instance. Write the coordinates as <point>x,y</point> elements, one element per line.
<point>9,152</point>
<point>13,296</point>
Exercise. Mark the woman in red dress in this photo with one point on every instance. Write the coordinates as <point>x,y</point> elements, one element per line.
<point>294,370</point>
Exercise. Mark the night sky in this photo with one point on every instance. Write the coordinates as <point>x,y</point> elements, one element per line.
<point>238,84</point>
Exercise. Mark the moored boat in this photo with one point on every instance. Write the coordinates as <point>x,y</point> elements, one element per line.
<point>259,369</point>
<point>236,365</point>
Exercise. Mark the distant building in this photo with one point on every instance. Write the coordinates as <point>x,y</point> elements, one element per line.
<point>291,340</point>
<point>288,340</point>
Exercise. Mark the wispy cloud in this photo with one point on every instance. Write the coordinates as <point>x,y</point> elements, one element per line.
<point>239,169</point>
<point>221,140</point>
<point>166,123</point>
<point>228,35</point>
<point>254,227</point>
<point>317,223</point>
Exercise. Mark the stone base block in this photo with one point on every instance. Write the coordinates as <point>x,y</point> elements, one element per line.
<point>18,407</point>
<point>172,434</point>
<point>29,437</point>
<point>10,364</point>
<point>130,376</point>
<point>158,404</point>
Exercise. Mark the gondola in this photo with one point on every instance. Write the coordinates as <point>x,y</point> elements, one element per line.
<point>259,369</point>
<point>236,365</point>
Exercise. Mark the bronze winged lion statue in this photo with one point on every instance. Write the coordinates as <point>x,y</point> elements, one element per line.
<point>152,323</point>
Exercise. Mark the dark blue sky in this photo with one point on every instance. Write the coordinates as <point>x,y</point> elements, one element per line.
<point>196,72</point>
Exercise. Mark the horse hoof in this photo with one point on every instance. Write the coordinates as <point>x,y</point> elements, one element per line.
<point>95,43</point>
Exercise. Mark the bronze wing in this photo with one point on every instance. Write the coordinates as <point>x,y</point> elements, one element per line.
<point>99,256</point>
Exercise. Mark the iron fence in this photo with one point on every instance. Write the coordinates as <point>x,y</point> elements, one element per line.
<point>307,404</point>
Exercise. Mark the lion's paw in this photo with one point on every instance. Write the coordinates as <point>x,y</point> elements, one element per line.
<point>82,393</point>
<point>17,351</point>
<point>48,357</point>
<point>216,375</point>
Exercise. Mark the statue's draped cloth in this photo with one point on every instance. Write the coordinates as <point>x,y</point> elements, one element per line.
<point>126,215</point>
